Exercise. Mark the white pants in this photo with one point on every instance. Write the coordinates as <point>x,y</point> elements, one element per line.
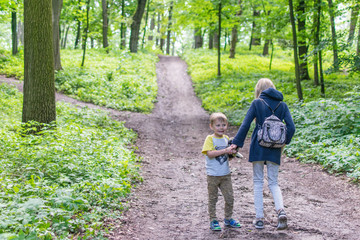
<point>258,179</point>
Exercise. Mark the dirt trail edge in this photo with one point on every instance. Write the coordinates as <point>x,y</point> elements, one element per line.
<point>171,203</point>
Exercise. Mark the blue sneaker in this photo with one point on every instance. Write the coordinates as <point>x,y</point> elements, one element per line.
<point>215,226</point>
<point>232,223</point>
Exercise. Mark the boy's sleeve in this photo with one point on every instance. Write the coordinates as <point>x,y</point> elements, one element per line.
<point>208,145</point>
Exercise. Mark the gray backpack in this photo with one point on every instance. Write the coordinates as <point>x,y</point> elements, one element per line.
<point>272,134</point>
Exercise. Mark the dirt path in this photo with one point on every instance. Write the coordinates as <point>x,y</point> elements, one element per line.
<point>172,201</point>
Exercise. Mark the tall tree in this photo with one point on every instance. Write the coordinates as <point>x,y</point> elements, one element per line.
<point>14,35</point>
<point>123,26</point>
<point>234,32</point>
<point>219,37</point>
<point>145,25</point>
<point>135,26</point>
<point>39,85</point>
<point>295,47</point>
<point>56,10</point>
<point>303,48</point>
<point>169,28</point>
<point>333,35</point>
<point>198,38</point>
<point>105,24</point>
<point>78,28</point>
<point>316,36</point>
<point>86,31</point>
<point>353,20</point>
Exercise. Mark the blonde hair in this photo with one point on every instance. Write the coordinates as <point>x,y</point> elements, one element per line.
<point>217,116</point>
<point>263,84</point>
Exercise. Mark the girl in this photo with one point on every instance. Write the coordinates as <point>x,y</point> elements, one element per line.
<point>260,156</point>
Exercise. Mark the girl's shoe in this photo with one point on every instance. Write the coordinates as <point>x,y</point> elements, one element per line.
<point>259,223</point>
<point>282,220</point>
<point>215,226</point>
<point>232,223</point>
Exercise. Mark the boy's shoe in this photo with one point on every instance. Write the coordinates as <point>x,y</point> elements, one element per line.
<point>232,223</point>
<point>282,220</point>
<point>215,226</point>
<point>258,223</point>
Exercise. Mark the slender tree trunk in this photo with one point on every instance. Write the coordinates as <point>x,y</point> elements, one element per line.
<point>297,74</point>
<point>146,20</point>
<point>56,11</point>
<point>158,29</point>
<point>122,27</point>
<point>219,37</point>
<point>86,31</point>
<point>272,54</point>
<point>64,40</point>
<point>321,75</point>
<point>216,38</point>
<point>255,31</point>
<point>14,35</point>
<point>303,48</point>
<point>105,24</point>
<point>169,28</point>
<point>267,35</point>
<point>353,22</point>
<point>78,33</point>
<point>20,30</point>
<point>317,15</point>
<point>333,35</point>
<point>358,44</point>
<point>39,84</point>
<point>135,26</point>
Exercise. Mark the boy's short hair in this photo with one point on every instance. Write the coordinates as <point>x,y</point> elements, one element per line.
<point>216,116</point>
<point>263,84</point>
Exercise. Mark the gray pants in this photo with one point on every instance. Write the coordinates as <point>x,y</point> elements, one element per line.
<point>258,179</point>
<point>224,184</point>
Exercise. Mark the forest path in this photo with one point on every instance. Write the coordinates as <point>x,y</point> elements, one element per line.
<point>171,203</point>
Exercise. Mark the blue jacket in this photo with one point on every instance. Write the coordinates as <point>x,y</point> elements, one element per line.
<point>260,111</point>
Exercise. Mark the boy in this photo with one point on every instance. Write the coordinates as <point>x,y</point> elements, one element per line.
<point>218,172</point>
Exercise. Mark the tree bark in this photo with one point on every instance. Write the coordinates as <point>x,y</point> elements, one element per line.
<point>198,38</point>
<point>234,33</point>
<point>316,21</point>
<point>56,11</point>
<point>105,22</point>
<point>123,27</point>
<point>169,29</point>
<point>211,39</point>
<point>333,35</point>
<point>219,37</point>
<point>303,48</point>
<point>86,30</point>
<point>152,27</point>
<point>146,20</point>
<point>296,58</point>
<point>353,22</point>
<point>14,36</point>
<point>39,84</point>
<point>78,34</point>
<point>135,26</point>
<point>358,44</point>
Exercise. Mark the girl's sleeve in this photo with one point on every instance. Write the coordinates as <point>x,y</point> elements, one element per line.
<point>245,126</point>
<point>290,126</point>
<point>208,145</point>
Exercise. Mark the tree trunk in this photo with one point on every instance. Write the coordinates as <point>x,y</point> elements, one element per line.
<point>20,33</point>
<point>353,21</point>
<point>86,30</point>
<point>358,44</point>
<point>158,29</point>
<point>14,36</point>
<point>303,48</point>
<point>198,38</point>
<point>211,39</point>
<point>169,28</point>
<point>78,33</point>
<point>321,75</point>
<point>152,27</point>
<point>105,24</point>
<point>39,83</point>
<point>297,74</point>
<point>266,47</point>
<point>56,11</point>
<point>317,15</point>
<point>135,26</point>
<point>123,27</point>
<point>64,40</point>
<point>219,37</point>
<point>234,39</point>
<point>333,35</point>
<point>255,31</point>
<point>216,39</point>
<point>146,20</point>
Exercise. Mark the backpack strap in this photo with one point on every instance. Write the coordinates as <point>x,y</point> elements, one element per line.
<point>273,111</point>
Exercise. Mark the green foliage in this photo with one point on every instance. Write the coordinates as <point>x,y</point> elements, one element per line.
<point>12,66</point>
<point>328,132</point>
<point>121,80</point>
<point>66,180</point>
